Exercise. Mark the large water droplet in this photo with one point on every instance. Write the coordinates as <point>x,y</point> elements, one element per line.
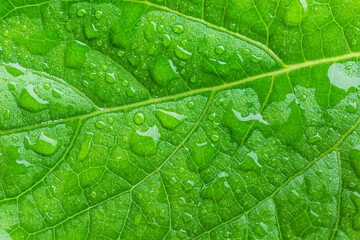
<point>75,55</point>
<point>355,159</point>
<point>219,50</point>
<point>344,75</point>
<point>145,143</point>
<point>110,78</point>
<point>85,147</point>
<point>178,28</point>
<point>351,107</point>
<point>202,155</point>
<point>187,217</point>
<point>355,197</point>
<point>139,118</point>
<point>166,40</point>
<point>182,53</point>
<point>163,71</point>
<point>251,163</point>
<point>169,120</point>
<point>44,145</point>
<point>30,101</point>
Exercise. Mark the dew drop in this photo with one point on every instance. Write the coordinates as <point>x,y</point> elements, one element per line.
<point>166,40</point>
<point>187,217</point>
<point>163,71</point>
<point>182,53</point>
<point>181,234</point>
<point>191,105</point>
<point>139,118</point>
<point>188,186</point>
<point>30,101</point>
<point>125,83</point>
<point>47,86</point>
<point>315,139</point>
<point>56,93</point>
<point>169,120</point>
<point>265,157</point>
<point>110,78</point>
<point>178,28</point>
<point>44,145</point>
<point>120,53</point>
<point>246,51</point>
<point>93,194</point>
<point>145,144</point>
<point>219,50</point>
<point>90,31</point>
<point>355,197</point>
<point>85,147</point>
<point>214,138</point>
<point>212,116</point>
<point>351,107</point>
<point>100,125</point>
<point>80,12</point>
<point>98,15</point>
<point>251,163</point>
<point>130,92</point>
<point>193,79</point>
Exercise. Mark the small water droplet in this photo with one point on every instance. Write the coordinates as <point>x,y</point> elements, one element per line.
<point>98,15</point>
<point>133,60</point>
<point>125,83</point>
<point>80,12</point>
<point>219,102</point>
<point>351,107</point>
<point>294,196</point>
<point>219,50</point>
<point>181,234</point>
<point>265,157</point>
<point>182,53</point>
<point>47,86</point>
<point>120,53</point>
<point>251,163</point>
<point>214,138</point>
<point>255,59</point>
<point>85,83</point>
<point>139,118</point>
<point>6,33</point>
<point>166,40</point>
<point>212,116</point>
<point>246,51</point>
<point>90,31</point>
<point>187,217</point>
<point>191,105</point>
<point>110,78</point>
<point>130,92</point>
<point>56,93</point>
<point>93,194</point>
<point>178,28</point>
<point>188,186</point>
<point>100,125</point>
<point>85,147</point>
<point>315,139</point>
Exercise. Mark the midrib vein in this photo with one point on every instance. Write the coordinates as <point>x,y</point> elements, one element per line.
<point>186,94</point>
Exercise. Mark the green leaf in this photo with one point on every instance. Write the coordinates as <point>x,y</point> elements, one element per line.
<point>183,119</point>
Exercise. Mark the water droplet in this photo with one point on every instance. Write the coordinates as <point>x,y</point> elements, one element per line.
<point>110,78</point>
<point>45,66</point>
<point>355,197</point>
<point>47,86</point>
<point>15,138</point>
<point>75,55</point>
<point>145,144</point>
<point>56,93</point>
<point>212,116</point>
<point>85,147</point>
<point>202,155</point>
<point>100,125</point>
<point>188,186</point>
<point>315,139</point>
<point>139,118</point>
<point>191,105</point>
<point>187,217</point>
<point>329,165</point>
<point>130,92</point>
<point>178,28</point>
<point>193,79</point>
<point>169,120</point>
<point>284,160</point>
<point>182,53</point>
<point>93,194</point>
<point>261,229</point>
<point>6,33</point>
<point>163,71</point>
<point>246,51</point>
<point>98,15</point>
<point>80,12</point>
<point>294,196</point>
<point>181,234</point>
<point>351,107</point>
<point>85,83</point>
<point>30,101</point>
<point>214,138</point>
<point>125,83</point>
<point>219,50</point>
<point>44,145</point>
<point>110,120</point>
<point>255,59</point>
<point>219,102</point>
<point>355,159</point>
<point>120,53</point>
<point>251,163</point>
<point>166,40</point>
<point>133,60</point>
<point>265,157</point>
<point>99,43</point>
<point>90,31</point>
<point>7,114</point>
<point>215,125</point>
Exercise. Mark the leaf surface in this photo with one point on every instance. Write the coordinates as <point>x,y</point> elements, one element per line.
<point>179,119</point>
